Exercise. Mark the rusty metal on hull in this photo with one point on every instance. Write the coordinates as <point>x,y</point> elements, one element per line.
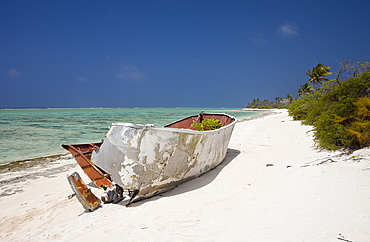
<point>82,154</point>
<point>84,195</point>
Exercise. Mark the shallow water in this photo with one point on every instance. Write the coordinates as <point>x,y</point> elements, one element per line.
<point>32,133</point>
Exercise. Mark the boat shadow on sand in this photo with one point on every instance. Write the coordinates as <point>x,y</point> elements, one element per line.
<point>194,183</point>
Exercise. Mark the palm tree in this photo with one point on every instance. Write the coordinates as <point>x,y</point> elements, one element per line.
<point>306,88</point>
<point>279,99</point>
<point>318,74</point>
<point>290,98</point>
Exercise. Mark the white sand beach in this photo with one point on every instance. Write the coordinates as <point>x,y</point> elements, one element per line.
<point>272,186</point>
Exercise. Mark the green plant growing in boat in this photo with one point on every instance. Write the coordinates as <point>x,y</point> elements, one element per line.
<point>207,124</point>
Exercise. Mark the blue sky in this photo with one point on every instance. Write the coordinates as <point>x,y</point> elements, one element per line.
<point>171,53</point>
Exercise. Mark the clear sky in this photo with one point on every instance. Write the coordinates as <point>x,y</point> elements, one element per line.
<point>190,53</point>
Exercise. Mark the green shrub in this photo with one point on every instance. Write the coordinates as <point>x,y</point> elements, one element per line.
<point>207,124</point>
<point>329,134</point>
<point>306,108</point>
<point>340,114</point>
<point>358,124</point>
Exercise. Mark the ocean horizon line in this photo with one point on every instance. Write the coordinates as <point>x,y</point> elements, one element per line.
<point>38,108</point>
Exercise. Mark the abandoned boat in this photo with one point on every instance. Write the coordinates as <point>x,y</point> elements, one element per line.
<point>145,160</point>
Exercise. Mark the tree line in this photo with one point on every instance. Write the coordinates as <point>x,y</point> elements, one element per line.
<point>337,108</point>
<point>266,104</point>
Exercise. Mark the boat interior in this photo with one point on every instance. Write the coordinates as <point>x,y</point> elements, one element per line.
<point>187,122</point>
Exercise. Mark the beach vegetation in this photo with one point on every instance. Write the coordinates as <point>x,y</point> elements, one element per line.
<point>266,104</point>
<point>338,109</point>
<point>304,90</point>
<point>318,74</point>
<point>207,124</point>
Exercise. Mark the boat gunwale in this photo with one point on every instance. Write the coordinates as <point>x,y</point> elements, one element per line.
<point>180,130</point>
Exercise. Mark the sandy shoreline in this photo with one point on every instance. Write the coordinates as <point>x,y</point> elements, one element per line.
<point>272,186</point>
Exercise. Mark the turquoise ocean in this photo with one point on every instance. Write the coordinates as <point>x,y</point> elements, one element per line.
<point>34,133</point>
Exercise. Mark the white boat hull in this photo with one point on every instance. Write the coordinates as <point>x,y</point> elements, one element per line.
<point>154,159</point>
